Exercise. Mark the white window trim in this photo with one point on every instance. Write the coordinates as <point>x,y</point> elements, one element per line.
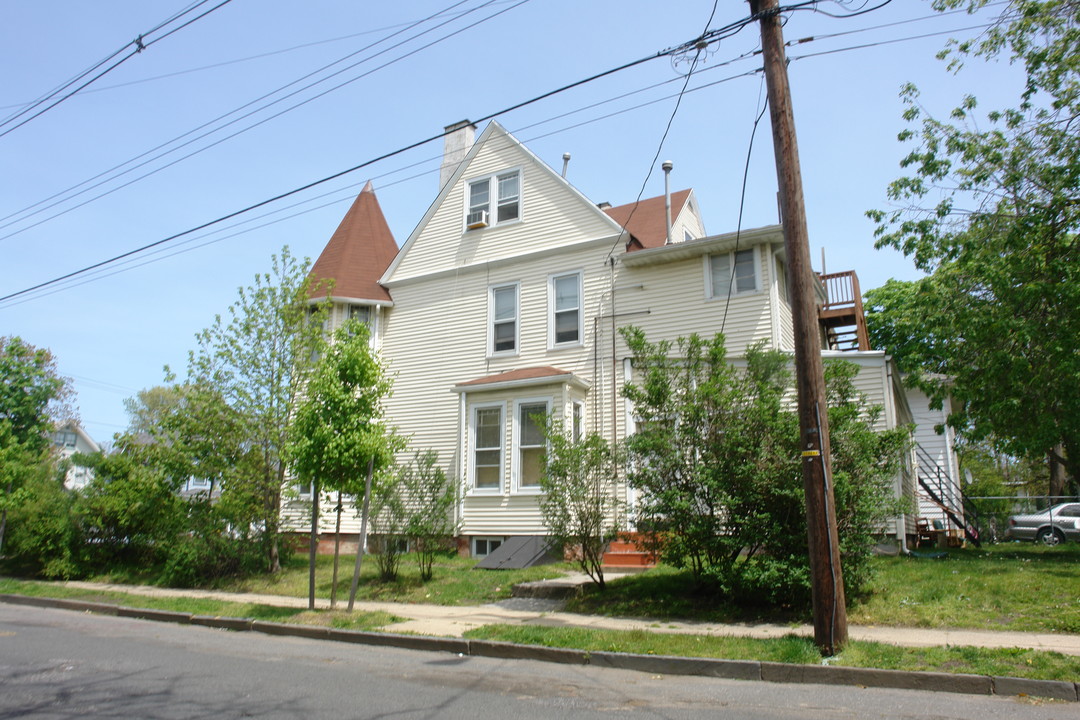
<point>552,345</point>
<point>491,320</point>
<point>493,197</point>
<point>577,412</point>
<point>486,538</point>
<point>473,489</point>
<point>515,444</point>
<point>707,264</point>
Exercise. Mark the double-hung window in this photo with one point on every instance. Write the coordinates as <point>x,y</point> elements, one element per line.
<point>487,448</point>
<point>565,300</point>
<point>529,443</point>
<point>503,319</point>
<point>494,199</point>
<point>732,272</point>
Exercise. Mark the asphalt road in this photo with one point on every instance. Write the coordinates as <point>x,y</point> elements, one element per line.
<point>62,664</point>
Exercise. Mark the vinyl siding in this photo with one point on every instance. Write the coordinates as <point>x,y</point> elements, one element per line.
<point>672,301</point>
<point>552,215</point>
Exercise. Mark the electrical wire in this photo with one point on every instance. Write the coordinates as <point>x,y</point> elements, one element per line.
<point>742,203</point>
<point>140,44</point>
<point>234,61</point>
<point>12,218</point>
<point>334,176</point>
<point>186,246</point>
<point>731,29</point>
<point>26,215</point>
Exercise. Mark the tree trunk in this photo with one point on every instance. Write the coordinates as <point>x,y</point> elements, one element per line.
<point>363,533</point>
<point>337,553</point>
<point>1057,473</point>
<point>313,544</point>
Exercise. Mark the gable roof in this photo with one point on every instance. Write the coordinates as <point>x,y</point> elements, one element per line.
<point>495,132</point>
<point>358,253</point>
<point>648,223</point>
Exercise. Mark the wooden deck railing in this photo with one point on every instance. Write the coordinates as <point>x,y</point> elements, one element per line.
<point>843,306</point>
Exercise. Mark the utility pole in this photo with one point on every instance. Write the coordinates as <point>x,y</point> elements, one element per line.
<point>830,609</point>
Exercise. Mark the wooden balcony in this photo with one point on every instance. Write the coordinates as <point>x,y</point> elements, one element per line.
<point>841,316</point>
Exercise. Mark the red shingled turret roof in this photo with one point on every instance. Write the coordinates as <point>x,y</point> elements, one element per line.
<point>358,253</point>
<point>648,224</point>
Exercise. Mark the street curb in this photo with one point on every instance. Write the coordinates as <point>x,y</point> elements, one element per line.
<point>657,664</point>
<point>223,623</point>
<point>312,632</point>
<point>1056,689</point>
<point>405,642</point>
<point>77,605</point>
<point>513,651</point>
<point>156,615</point>
<point>872,677</point>
<point>674,665</point>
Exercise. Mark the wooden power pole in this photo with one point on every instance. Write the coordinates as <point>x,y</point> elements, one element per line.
<point>830,610</point>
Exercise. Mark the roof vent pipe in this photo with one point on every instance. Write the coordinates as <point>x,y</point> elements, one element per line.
<point>667,197</point>
<point>565,163</point>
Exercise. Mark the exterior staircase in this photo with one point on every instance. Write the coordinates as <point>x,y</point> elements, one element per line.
<point>624,555</point>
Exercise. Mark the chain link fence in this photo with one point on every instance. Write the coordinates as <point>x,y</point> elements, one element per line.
<point>990,515</point>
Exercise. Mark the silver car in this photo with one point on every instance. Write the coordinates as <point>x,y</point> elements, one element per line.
<point>1049,527</point>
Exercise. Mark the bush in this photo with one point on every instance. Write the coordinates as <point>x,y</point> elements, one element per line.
<point>716,462</point>
<point>42,537</point>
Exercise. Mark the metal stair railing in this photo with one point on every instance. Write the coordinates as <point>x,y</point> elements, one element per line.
<point>928,471</point>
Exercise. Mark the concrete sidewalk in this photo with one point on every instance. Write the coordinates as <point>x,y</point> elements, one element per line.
<point>444,621</point>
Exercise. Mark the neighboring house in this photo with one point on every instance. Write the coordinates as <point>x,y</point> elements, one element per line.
<point>70,438</point>
<point>507,300</point>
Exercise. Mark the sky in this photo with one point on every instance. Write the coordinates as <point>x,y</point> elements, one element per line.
<point>239,107</point>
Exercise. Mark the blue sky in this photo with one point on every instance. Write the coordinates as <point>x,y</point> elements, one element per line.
<point>114,334</point>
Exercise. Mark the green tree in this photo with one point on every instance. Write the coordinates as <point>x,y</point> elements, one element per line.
<point>579,502</point>
<point>32,397</point>
<point>258,360</point>
<point>338,436</point>
<point>716,462</point>
<point>990,211</point>
<point>430,497</point>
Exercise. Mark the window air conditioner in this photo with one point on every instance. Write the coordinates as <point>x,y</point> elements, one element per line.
<point>476,219</point>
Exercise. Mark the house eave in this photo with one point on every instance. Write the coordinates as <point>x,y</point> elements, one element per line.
<point>703,246</point>
<point>563,379</point>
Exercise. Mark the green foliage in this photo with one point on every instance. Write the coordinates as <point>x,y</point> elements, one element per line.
<point>32,396</point>
<point>129,512</point>
<point>580,504</point>
<point>338,432</point>
<point>43,537</point>
<point>338,425</point>
<point>429,499</point>
<point>31,393</point>
<point>208,551</point>
<point>990,210</point>
<point>715,460</point>
<point>388,519</point>
<point>257,360</point>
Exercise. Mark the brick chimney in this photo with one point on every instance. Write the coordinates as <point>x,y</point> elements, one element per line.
<point>456,143</point>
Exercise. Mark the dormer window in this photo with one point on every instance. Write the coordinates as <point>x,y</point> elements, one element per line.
<point>493,200</point>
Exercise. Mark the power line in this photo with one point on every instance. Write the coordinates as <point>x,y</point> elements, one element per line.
<point>664,53</point>
<point>592,78</point>
<point>12,218</point>
<point>242,117</point>
<point>140,43</point>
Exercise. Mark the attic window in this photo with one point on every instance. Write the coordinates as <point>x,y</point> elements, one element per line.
<point>505,188</point>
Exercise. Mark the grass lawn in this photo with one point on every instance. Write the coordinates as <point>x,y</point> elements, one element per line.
<point>1010,586</point>
<point>202,606</point>
<point>455,582</point>
<point>1010,662</point>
